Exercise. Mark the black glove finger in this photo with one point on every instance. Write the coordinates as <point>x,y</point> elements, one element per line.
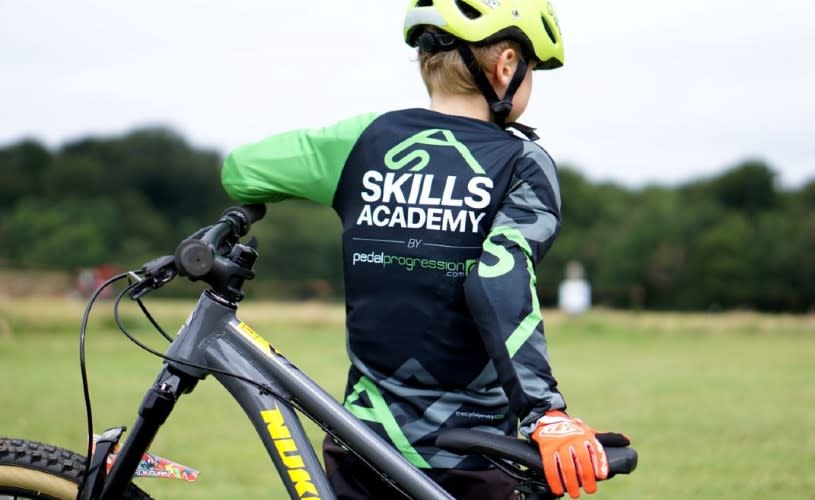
<point>613,439</point>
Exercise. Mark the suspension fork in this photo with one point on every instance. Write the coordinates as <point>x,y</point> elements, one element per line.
<point>157,405</point>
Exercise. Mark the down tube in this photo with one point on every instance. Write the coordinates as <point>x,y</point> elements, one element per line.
<point>277,424</point>
<point>240,346</point>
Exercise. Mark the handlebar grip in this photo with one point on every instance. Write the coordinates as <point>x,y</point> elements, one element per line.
<point>194,258</point>
<point>242,217</point>
<point>254,212</point>
<point>621,460</point>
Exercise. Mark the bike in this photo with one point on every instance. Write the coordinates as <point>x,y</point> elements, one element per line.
<point>270,390</point>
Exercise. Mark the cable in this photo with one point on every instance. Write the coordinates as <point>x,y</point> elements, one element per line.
<point>84,372</point>
<point>265,389</point>
<point>322,425</point>
<point>153,321</point>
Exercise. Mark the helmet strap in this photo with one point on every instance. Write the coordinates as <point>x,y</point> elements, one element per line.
<point>500,108</point>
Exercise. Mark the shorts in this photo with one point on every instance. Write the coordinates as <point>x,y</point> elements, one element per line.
<point>351,479</point>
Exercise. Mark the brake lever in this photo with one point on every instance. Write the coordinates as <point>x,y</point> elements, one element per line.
<point>155,274</point>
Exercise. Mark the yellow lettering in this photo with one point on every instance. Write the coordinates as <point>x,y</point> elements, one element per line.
<point>287,450</point>
<point>302,483</point>
<point>275,424</point>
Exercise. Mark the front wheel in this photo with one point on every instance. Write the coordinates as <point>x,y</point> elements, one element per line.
<point>29,469</point>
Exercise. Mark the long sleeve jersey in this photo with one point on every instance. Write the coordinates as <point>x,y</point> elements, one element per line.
<point>444,218</point>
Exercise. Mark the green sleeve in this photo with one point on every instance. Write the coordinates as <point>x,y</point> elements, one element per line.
<point>304,163</point>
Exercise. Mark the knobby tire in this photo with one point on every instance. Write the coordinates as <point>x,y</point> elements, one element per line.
<point>29,469</point>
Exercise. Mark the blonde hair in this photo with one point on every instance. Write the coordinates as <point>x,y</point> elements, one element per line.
<point>446,72</point>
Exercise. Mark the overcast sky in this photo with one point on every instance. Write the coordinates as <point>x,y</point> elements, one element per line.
<point>652,91</point>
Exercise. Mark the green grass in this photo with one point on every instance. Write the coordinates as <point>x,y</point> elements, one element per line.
<point>719,407</point>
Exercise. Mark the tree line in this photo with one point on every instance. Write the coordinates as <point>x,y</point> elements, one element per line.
<point>734,240</point>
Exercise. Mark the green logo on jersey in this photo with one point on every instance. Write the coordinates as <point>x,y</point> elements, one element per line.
<point>379,412</point>
<point>419,158</point>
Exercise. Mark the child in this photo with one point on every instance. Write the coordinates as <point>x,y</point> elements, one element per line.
<point>445,214</point>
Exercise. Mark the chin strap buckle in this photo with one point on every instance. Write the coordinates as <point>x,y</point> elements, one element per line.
<point>501,108</point>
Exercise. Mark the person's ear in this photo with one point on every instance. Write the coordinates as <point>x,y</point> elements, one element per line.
<point>505,67</point>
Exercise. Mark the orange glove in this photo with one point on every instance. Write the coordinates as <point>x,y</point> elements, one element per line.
<point>571,454</point>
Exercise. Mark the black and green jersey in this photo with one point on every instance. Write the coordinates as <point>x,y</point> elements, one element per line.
<point>444,219</point>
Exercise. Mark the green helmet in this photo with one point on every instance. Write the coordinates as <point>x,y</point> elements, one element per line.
<point>532,23</point>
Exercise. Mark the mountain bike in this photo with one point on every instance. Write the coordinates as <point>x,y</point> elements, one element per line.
<point>268,387</point>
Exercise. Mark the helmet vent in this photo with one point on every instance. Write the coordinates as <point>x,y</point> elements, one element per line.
<point>548,29</point>
<point>424,3</point>
<point>468,10</point>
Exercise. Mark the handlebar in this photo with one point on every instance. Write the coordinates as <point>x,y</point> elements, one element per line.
<point>207,255</point>
<point>195,257</point>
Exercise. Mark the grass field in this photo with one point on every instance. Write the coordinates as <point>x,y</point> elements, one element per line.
<point>719,406</point>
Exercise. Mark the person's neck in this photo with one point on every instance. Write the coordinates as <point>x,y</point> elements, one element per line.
<point>471,106</point>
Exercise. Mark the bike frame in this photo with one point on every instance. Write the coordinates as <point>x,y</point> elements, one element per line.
<point>214,337</point>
